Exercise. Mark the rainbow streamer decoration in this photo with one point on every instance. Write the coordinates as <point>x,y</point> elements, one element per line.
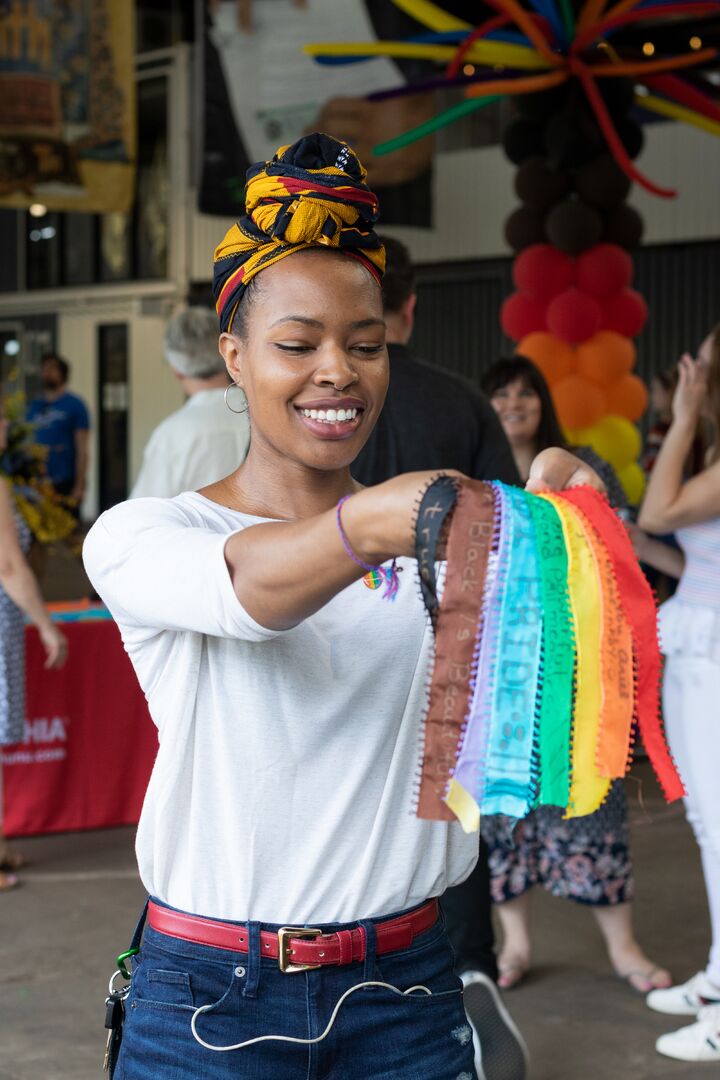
<point>520,51</point>
<point>546,656</point>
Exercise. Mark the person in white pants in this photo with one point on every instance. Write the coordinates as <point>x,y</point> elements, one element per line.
<point>690,636</point>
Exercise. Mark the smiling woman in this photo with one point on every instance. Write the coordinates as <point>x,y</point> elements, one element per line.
<point>313,343</point>
<point>275,835</point>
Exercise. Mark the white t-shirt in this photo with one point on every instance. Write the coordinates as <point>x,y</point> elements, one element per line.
<point>283,786</point>
<point>198,444</point>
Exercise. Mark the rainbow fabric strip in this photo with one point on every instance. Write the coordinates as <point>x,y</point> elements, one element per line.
<point>546,658</point>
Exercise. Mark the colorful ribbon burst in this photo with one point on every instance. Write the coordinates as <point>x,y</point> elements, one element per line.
<point>548,42</point>
<point>546,656</point>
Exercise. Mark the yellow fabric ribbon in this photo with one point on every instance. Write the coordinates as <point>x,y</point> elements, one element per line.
<point>587,787</point>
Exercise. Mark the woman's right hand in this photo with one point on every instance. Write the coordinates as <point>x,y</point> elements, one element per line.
<point>55,645</point>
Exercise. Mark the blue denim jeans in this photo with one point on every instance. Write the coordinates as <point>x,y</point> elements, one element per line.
<point>378,1034</point>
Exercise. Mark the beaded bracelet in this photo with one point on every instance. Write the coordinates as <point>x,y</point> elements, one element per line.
<point>376,575</point>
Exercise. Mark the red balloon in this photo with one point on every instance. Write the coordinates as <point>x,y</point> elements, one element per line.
<point>543,270</point>
<point>603,270</point>
<point>578,403</point>
<point>625,312</point>
<point>574,316</point>
<point>522,314</point>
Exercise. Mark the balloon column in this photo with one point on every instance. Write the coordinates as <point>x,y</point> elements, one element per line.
<point>574,312</point>
<point>575,69</point>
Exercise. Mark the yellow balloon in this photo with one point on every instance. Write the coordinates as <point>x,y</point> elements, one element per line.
<point>481,52</point>
<point>614,438</point>
<point>632,479</point>
<point>431,16</point>
<point>677,112</point>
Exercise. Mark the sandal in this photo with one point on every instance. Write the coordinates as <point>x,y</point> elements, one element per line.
<point>12,860</point>
<point>8,881</point>
<point>511,974</point>
<point>649,979</point>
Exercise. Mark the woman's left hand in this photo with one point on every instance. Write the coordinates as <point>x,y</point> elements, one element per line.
<point>55,645</point>
<point>691,392</point>
<point>555,469</point>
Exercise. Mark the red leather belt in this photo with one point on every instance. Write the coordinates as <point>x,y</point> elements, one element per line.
<point>297,948</point>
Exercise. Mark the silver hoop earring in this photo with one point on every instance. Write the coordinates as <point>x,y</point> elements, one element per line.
<point>234,386</point>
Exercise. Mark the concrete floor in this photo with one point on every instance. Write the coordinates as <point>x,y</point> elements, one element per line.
<point>76,910</point>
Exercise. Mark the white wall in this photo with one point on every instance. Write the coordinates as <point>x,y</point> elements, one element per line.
<point>154,391</point>
<point>473,195</point>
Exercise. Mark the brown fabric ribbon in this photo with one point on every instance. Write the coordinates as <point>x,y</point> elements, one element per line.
<point>469,544</point>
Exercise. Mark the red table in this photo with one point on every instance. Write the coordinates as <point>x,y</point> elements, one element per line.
<point>89,742</point>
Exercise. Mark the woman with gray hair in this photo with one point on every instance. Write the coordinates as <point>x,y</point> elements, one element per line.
<point>204,440</point>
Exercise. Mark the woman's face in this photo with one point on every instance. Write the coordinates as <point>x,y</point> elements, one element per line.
<point>519,409</point>
<point>312,362</point>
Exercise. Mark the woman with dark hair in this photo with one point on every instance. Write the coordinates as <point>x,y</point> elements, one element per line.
<point>293,928</point>
<point>585,859</point>
<point>690,636</point>
<point>521,398</point>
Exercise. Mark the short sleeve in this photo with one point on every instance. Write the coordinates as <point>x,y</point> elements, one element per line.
<point>81,416</point>
<point>157,569</point>
<point>162,467</point>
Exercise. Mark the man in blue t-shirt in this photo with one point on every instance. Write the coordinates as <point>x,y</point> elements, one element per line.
<point>62,424</point>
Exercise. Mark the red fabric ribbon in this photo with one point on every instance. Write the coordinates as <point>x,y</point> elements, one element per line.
<point>685,94</point>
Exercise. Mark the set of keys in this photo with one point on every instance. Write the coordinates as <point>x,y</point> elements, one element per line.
<point>114,1017</point>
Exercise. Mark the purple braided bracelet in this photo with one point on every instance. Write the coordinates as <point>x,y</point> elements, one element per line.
<point>389,577</point>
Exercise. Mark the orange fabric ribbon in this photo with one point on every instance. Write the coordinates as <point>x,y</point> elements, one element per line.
<point>638,604</point>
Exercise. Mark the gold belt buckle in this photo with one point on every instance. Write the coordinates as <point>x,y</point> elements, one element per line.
<point>285,952</point>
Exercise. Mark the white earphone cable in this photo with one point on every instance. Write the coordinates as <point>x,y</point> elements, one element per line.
<point>289,1038</point>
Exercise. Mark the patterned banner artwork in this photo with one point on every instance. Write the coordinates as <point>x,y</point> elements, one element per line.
<point>546,654</point>
<point>67,104</point>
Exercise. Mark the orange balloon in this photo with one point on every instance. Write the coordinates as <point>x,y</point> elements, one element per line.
<point>579,403</point>
<point>627,397</point>
<point>606,357</point>
<point>554,357</point>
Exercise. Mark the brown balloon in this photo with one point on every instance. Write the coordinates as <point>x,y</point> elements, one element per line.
<point>573,226</point>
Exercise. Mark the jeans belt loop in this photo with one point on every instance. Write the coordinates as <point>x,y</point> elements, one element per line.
<point>367,929</point>
<point>252,976</point>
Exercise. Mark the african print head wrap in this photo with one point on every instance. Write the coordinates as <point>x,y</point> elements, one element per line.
<point>312,194</point>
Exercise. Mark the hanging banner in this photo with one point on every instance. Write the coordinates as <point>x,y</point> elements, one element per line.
<point>67,104</point>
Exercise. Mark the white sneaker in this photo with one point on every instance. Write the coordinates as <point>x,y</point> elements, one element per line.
<point>687,999</point>
<point>500,1050</point>
<point>697,1042</point>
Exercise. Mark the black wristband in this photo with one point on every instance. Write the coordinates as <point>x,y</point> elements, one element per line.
<point>435,507</point>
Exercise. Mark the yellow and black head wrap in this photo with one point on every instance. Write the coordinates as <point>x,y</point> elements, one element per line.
<point>312,194</point>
